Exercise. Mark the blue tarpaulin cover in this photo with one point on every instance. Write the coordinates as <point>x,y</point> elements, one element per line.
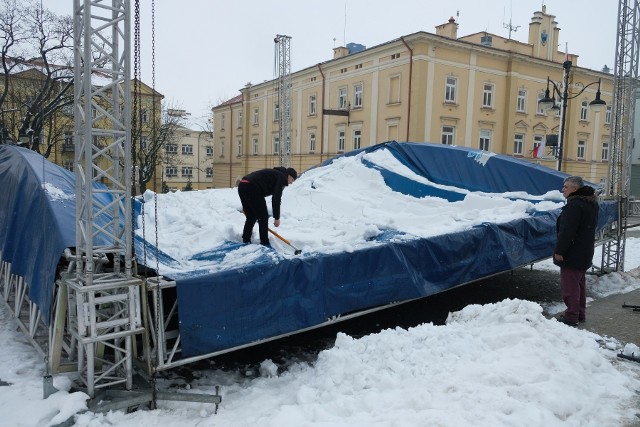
<point>226,309</point>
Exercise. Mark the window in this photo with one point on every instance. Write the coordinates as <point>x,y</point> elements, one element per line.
<point>487,96</point>
<point>209,172</point>
<point>187,149</point>
<point>342,98</point>
<point>187,171</point>
<point>68,165</point>
<point>584,110</point>
<point>276,145</point>
<point>240,118</point>
<point>340,140</point>
<point>312,142</point>
<point>605,151</point>
<point>448,135</point>
<point>239,147</point>
<point>521,102</point>
<point>357,96</point>
<point>254,143</point>
<point>256,114</point>
<point>222,148</point>
<point>171,148</point>
<point>538,140</point>
<point>518,143</point>
<point>171,171</point>
<point>394,90</point>
<point>276,112</point>
<point>209,150</point>
<point>357,138</point>
<point>144,143</point>
<point>222,120</point>
<point>582,148</point>
<point>485,140</point>
<point>450,89</point>
<point>607,115</point>
<point>68,138</point>
<point>539,109</point>
<point>312,105</point>
<point>144,116</point>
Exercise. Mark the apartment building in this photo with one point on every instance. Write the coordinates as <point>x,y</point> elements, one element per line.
<point>480,90</point>
<point>188,161</point>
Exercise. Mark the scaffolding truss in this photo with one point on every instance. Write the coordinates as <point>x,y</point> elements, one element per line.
<point>283,65</point>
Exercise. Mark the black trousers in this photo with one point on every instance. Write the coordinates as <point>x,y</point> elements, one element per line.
<point>255,210</point>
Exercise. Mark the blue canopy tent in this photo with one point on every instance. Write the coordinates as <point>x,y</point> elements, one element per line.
<point>235,307</point>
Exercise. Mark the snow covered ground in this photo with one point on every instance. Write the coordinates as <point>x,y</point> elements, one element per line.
<point>500,364</point>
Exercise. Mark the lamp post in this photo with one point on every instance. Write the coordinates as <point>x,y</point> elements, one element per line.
<point>562,91</point>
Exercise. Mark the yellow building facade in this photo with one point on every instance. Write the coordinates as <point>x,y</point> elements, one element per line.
<point>479,91</point>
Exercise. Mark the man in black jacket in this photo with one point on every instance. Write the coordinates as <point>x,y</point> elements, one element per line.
<point>576,229</point>
<point>252,190</point>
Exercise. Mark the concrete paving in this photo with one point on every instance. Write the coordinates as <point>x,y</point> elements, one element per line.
<point>610,317</point>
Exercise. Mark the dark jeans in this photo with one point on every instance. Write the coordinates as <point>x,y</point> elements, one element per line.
<point>255,210</point>
<point>573,289</point>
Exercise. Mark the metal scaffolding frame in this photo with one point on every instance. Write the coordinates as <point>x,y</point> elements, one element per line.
<point>624,89</point>
<point>104,307</point>
<point>283,65</point>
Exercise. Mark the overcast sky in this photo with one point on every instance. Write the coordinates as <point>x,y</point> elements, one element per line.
<point>206,50</point>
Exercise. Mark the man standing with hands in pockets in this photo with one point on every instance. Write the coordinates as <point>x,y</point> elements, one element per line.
<point>576,230</point>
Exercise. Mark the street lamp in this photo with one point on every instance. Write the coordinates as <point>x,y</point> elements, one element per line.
<point>562,90</point>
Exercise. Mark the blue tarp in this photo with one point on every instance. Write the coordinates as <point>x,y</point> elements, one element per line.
<point>37,219</point>
<point>235,307</point>
<point>219,311</point>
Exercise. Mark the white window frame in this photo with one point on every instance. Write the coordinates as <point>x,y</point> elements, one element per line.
<point>450,89</point>
<point>222,121</point>
<point>521,101</point>
<point>209,151</point>
<point>340,140</point>
<point>209,172</point>
<point>539,109</point>
<point>538,140</point>
<point>276,145</point>
<point>582,149</point>
<point>255,146</point>
<point>605,151</point>
<point>584,110</point>
<point>186,171</point>
<point>313,104</point>
<point>518,143</point>
<point>357,95</point>
<point>448,135</point>
<point>239,118</point>
<point>608,115</point>
<point>342,98</point>
<point>356,138</point>
<point>171,148</point>
<point>239,147</point>
<point>276,112</point>
<point>484,140</point>
<point>256,116</point>
<point>487,95</point>
<point>312,141</point>
<point>170,171</point>
<point>187,149</point>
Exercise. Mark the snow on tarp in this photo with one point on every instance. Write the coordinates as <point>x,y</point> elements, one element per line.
<point>37,219</point>
<point>224,303</point>
<point>279,295</point>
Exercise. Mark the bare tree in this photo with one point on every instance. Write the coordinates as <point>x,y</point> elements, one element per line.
<point>150,142</point>
<point>37,72</point>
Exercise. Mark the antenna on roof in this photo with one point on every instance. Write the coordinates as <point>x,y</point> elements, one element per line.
<point>510,26</point>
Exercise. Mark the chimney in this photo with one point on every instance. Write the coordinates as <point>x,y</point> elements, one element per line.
<point>339,52</point>
<point>450,29</point>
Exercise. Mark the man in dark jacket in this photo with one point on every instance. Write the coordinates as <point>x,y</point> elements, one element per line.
<point>576,229</point>
<point>252,190</point>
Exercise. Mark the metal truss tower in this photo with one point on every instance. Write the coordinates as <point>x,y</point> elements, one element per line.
<point>624,98</point>
<point>104,297</point>
<point>283,65</point>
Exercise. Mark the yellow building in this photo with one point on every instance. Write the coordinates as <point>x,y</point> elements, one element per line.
<point>479,91</point>
<point>188,160</point>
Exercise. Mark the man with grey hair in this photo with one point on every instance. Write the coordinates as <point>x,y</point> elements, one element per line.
<point>576,230</point>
